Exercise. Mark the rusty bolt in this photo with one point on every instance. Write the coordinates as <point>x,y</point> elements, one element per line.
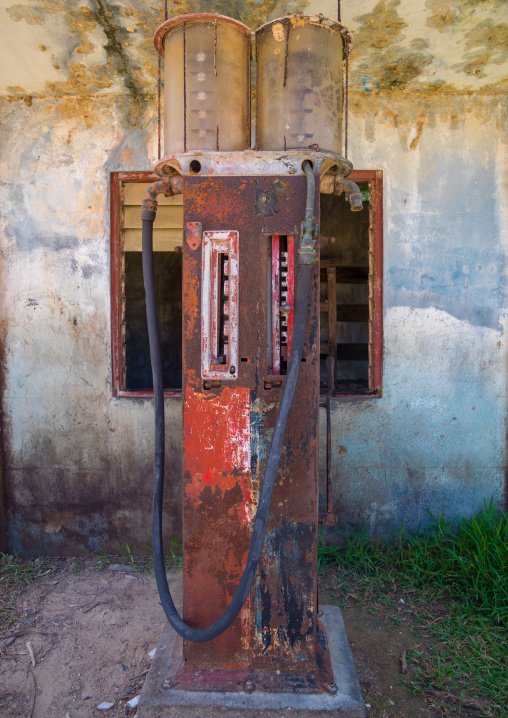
<point>249,686</point>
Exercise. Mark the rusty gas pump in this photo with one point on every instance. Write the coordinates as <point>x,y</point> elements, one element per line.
<point>251,624</point>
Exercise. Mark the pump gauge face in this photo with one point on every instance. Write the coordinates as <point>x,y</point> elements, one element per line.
<point>219,305</point>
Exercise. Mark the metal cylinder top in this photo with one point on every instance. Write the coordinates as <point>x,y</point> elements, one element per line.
<point>174,22</point>
<point>301,20</point>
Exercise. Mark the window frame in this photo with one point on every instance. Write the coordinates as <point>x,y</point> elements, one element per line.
<point>116,284</point>
<point>374,179</point>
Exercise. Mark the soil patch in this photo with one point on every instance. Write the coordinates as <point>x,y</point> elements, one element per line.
<point>92,630</point>
<point>91,633</point>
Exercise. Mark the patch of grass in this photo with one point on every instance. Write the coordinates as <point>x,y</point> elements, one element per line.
<point>452,577</point>
<point>16,574</point>
<point>173,558</point>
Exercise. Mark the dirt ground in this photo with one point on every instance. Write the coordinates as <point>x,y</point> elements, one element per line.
<point>91,633</point>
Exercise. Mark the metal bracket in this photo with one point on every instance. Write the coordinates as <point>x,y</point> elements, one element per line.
<point>193,234</point>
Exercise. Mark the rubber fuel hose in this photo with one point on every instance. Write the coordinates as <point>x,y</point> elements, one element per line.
<point>277,444</point>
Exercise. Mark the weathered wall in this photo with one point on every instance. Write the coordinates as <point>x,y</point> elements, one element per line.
<point>79,462</point>
<point>436,440</point>
<point>428,107</point>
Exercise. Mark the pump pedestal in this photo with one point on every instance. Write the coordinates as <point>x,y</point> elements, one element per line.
<point>163,694</point>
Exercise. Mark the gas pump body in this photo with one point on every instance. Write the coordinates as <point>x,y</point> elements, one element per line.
<point>229,411</point>
<point>250,217</point>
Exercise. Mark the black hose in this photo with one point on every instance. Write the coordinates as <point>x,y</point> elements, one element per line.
<point>272,464</point>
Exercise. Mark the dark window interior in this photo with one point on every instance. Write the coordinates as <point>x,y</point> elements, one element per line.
<point>168,290</point>
<point>344,295</point>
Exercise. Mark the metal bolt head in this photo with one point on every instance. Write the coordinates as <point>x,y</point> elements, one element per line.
<point>331,688</point>
<point>232,369</point>
<point>249,686</point>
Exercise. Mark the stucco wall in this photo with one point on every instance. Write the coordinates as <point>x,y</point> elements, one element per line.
<point>77,462</point>
<point>437,439</point>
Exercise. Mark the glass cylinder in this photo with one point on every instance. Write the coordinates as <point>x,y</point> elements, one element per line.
<point>206,83</point>
<point>299,83</point>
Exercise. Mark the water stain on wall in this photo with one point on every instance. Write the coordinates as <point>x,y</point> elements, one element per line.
<point>385,63</point>
<point>449,14</point>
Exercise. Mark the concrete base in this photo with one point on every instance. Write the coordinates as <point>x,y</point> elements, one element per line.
<point>156,701</point>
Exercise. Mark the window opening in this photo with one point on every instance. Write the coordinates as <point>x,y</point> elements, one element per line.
<point>132,369</point>
<point>351,291</point>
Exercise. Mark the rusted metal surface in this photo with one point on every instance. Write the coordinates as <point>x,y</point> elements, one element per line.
<point>337,184</point>
<point>310,680</point>
<point>193,234</point>
<point>168,186</point>
<point>227,430</point>
<point>328,517</point>
<point>253,162</point>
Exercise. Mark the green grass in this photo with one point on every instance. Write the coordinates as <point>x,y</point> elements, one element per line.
<point>173,558</point>
<point>453,577</point>
<point>15,575</point>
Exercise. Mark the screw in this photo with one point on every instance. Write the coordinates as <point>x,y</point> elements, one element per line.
<point>331,688</point>
<point>232,369</point>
